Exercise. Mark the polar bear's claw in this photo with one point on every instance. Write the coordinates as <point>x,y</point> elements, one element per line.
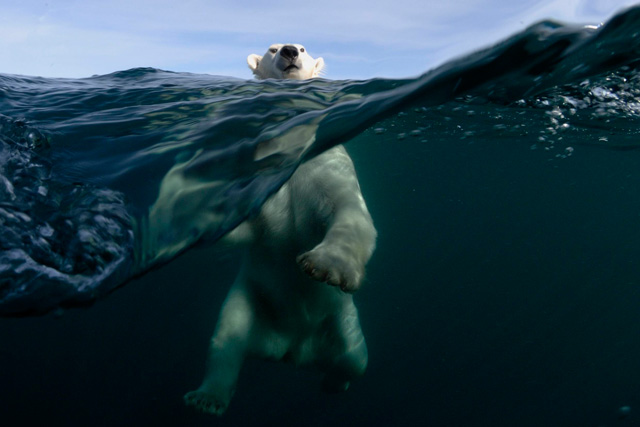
<point>323,265</point>
<point>206,402</point>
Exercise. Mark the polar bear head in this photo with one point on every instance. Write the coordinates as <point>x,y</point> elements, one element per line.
<point>285,61</point>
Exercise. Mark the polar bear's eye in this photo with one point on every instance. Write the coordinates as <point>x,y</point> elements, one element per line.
<point>273,50</point>
<point>301,49</point>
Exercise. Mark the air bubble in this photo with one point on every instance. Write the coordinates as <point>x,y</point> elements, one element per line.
<point>46,230</point>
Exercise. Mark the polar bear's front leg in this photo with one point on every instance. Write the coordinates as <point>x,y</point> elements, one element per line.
<point>350,236</point>
<point>226,355</point>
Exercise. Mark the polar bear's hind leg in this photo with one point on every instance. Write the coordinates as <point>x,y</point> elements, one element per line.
<point>226,354</point>
<point>351,362</point>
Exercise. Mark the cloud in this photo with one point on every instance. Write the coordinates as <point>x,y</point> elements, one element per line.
<point>359,39</point>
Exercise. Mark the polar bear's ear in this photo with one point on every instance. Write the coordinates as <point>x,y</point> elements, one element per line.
<point>319,67</point>
<point>254,60</point>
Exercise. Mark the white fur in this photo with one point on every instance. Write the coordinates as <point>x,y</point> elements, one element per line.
<point>306,254</point>
<point>274,65</point>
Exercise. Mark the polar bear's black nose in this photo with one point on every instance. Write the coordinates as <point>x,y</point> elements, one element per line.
<point>289,52</point>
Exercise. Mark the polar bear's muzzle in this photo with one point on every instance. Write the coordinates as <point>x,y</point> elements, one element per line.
<point>287,66</point>
<point>288,60</point>
<point>289,52</point>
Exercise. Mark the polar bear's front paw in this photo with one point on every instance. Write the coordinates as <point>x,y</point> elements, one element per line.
<point>326,264</point>
<point>206,402</point>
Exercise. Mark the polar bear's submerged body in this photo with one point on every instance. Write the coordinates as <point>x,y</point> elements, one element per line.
<point>306,254</point>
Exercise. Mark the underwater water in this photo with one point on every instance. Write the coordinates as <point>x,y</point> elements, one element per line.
<point>504,186</point>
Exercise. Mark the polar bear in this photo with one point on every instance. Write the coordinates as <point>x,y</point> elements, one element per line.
<point>305,255</point>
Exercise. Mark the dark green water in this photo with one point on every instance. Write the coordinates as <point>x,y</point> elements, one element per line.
<point>504,290</point>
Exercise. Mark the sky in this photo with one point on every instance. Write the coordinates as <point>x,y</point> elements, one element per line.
<point>358,39</point>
